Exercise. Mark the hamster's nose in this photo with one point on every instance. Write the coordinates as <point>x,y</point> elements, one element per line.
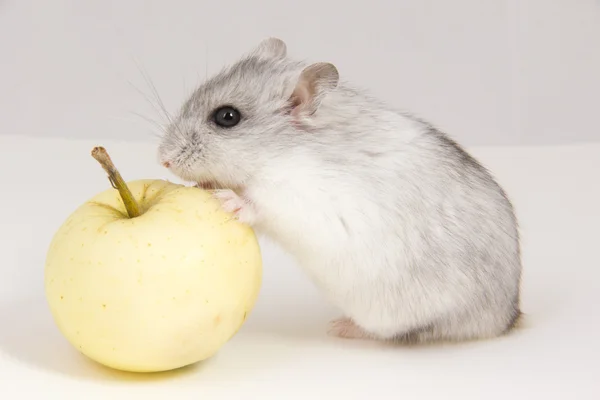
<point>166,164</point>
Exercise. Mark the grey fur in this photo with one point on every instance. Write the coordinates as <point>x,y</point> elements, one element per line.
<point>406,233</point>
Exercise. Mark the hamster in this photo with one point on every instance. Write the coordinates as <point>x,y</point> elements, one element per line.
<point>405,232</point>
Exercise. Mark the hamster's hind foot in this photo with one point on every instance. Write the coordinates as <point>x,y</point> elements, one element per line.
<point>346,328</point>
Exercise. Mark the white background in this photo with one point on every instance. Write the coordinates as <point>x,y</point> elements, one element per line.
<point>485,71</point>
<point>515,80</point>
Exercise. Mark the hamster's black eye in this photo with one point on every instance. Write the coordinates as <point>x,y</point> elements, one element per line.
<point>226,117</point>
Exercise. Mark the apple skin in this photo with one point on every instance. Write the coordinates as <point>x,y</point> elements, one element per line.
<point>157,292</point>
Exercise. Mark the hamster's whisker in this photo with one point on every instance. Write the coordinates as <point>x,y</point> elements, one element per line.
<point>161,104</point>
<point>161,129</point>
<point>161,108</point>
<point>154,106</point>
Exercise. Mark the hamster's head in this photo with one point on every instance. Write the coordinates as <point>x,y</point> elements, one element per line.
<point>246,116</point>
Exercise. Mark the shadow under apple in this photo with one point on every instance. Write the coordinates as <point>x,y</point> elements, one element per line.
<point>29,335</point>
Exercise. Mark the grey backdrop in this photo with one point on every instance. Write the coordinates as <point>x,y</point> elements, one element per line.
<point>485,71</point>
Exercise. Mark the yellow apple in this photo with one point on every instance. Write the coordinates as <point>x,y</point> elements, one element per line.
<point>165,289</point>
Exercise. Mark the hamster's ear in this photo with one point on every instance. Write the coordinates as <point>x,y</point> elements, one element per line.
<point>315,81</point>
<point>270,48</point>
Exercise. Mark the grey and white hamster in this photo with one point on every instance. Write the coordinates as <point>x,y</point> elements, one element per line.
<point>402,229</point>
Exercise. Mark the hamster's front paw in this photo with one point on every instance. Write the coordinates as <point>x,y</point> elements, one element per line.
<point>238,206</point>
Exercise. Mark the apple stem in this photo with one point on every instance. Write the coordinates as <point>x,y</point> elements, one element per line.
<point>117,182</point>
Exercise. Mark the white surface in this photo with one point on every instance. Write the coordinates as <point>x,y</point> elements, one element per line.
<point>495,71</point>
<point>282,352</point>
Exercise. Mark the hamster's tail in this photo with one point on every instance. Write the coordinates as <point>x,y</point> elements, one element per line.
<point>520,321</point>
